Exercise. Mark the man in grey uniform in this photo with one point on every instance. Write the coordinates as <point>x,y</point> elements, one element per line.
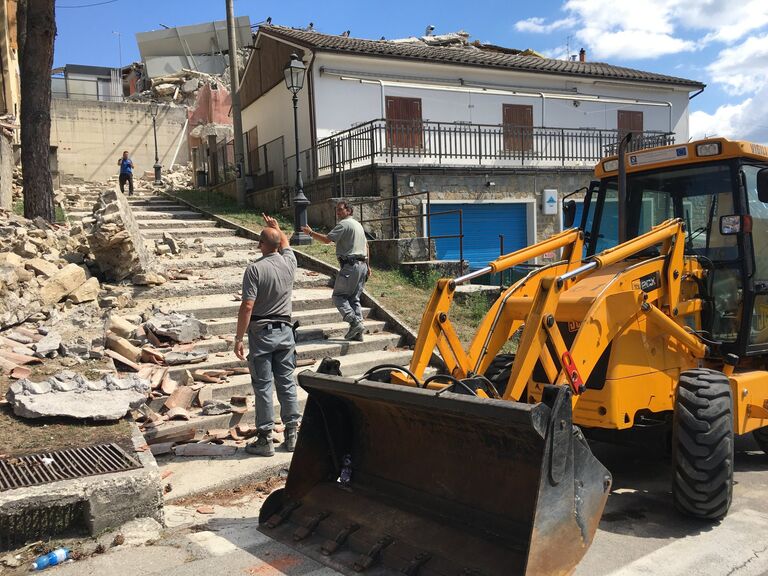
<point>265,311</point>
<point>352,252</point>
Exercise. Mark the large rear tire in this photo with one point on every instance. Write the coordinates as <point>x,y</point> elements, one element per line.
<point>499,371</point>
<point>761,437</point>
<point>702,445</point>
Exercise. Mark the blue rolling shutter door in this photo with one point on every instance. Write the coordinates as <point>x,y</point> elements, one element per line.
<point>482,225</point>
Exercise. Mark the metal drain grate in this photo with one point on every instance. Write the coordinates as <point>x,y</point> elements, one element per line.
<point>20,471</point>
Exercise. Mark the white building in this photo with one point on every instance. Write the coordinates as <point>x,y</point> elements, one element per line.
<point>474,123</point>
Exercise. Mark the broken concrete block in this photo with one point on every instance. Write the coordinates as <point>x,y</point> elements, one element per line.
<point>10,258</point>
<point>171,242</point>
<point>148,279</point>
<point>176,358</point>
<point>216,407</point>
<point>26,250</point>
<point>89,399</point>
<point>178,327</point>
<point>120,326</point>
<point>65,281</point>
<point>48,344</point>
<point>41,267</point>
<point>204,449</point>
<point>162,249</point>
<point>88,292</point>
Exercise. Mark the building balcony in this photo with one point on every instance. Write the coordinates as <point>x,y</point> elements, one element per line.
<point>424,143</point>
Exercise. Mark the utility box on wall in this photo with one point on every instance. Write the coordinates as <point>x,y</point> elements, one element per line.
<point>549,201</point>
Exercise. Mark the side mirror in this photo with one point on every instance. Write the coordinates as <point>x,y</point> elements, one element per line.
<point>762,185</point>
<point>734,224</point>
<point>569,213</point>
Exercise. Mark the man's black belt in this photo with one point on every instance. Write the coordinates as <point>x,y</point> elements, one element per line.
<point>351,259</point>
<point>274,321</point>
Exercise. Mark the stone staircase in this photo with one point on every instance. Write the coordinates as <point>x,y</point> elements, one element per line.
<point>211,295</point>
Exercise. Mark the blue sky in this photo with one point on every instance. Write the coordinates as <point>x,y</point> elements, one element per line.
<point>719,42</point>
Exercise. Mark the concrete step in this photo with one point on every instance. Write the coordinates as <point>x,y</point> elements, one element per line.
<point>308,319</point>
<point>313,329</point>
<point>143,202</point>
<point>227,305</point>
<point>202,232</point>
<point>153,207</point>
<point>315,349</point>
<point>231,258</point>
<point>228,242</point>
<point>168,224</point>
<point>142,216</point>
<point>226,281</point>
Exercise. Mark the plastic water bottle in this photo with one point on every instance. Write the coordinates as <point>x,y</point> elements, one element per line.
<point>346,471</point>
<point>51,559</point>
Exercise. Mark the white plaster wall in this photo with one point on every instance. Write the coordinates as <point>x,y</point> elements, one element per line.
<point>91,136</point>
<point>272,114</point>
<point>343,103</point>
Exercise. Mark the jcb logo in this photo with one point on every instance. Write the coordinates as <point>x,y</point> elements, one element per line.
<point>573,326</point>
<point>760,319</point>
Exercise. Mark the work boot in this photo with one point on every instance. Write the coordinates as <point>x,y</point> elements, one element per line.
<point>355,331</point>
<point>291,435</point>
<point>262,446</point>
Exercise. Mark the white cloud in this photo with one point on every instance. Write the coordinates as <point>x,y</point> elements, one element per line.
<point>747,120</point>
<point>726,20</point>
<point>743,68</point>
<point>538,25</point>
<point>640,29</point>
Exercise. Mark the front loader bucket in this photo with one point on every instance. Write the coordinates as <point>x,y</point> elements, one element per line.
<point>390,479</point>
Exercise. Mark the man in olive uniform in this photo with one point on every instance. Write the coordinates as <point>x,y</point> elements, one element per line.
<point>265,312</point>
<point>352,253</point>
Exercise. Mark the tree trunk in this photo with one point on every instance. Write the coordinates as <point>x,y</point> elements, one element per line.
<point>36,63</point>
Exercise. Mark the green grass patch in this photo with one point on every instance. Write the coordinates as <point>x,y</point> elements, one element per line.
<point>18,209</point>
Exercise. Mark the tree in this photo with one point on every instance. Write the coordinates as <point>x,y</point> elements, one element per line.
<point>37,30</point>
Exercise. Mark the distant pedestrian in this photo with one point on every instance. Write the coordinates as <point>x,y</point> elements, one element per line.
<point>265,312</point>
<point>352,253</point>
<point>126,173</point>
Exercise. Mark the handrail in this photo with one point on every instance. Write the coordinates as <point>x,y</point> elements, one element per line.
<point>396,217</point>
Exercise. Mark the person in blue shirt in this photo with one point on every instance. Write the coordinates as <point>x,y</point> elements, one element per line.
<point>126,173</point>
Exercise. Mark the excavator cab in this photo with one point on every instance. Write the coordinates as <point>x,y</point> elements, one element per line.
<point>719,201</point>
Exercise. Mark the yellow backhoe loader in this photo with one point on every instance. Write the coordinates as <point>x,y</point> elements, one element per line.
<point>654,317</point>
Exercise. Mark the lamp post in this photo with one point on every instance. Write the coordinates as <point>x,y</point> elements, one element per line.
<point>294,81</point>
<point>154,108</point>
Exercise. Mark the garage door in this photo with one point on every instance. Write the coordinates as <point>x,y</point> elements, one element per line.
<point>482,225</point>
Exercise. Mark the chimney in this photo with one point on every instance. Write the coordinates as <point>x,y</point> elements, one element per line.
<point>582,55</point>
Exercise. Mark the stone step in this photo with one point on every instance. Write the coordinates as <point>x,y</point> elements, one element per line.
<point>152,207</point>
<point>169,224</point>
<point>311,328</point>
<point>306,318</point>
<point>227,305</point>
<point>226,281</point>
<point>315,349</point>
<point>143,216</point>
<point>231,258</point>
<point>143,202</point>
<point>228,242</point>
<point>202,232</point>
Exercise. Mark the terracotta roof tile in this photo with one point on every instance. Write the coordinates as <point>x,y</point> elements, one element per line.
<point>469,55</point>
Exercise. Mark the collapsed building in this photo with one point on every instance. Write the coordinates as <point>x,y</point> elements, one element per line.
<point>179,91</point>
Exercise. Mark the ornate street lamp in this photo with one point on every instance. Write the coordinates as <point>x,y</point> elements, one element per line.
<point>294,81</point>
<point>154,108</point>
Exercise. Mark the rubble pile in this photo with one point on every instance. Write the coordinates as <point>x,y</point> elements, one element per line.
<point>114,238</point>
<point>73,395</point>
<point>40,265</point>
